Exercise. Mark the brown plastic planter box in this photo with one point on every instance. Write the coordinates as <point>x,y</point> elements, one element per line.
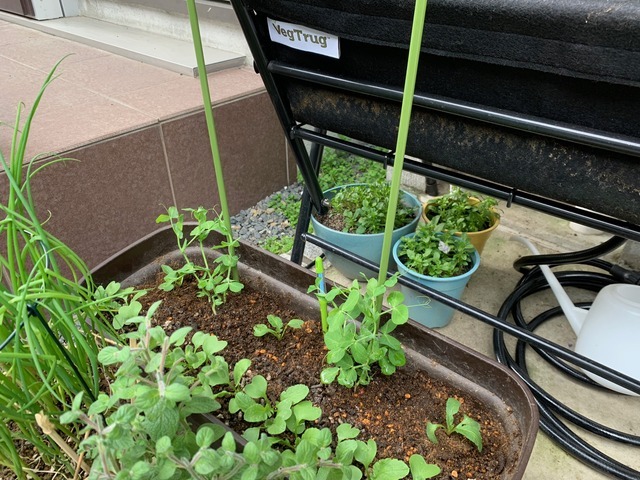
<point>439,356</point>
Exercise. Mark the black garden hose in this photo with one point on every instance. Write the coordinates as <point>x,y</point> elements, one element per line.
<point>554,415</point>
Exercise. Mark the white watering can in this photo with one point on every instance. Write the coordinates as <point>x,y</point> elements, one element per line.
<point>609,332</point>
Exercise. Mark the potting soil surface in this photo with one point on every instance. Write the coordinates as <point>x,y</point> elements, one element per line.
<point>393,410</point>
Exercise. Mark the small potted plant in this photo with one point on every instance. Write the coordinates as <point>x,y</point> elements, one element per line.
<point>438,258</point>
<point>356,220</point>
<point>461,212</point>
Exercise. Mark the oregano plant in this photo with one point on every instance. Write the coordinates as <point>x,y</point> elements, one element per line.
<point>214,279</point>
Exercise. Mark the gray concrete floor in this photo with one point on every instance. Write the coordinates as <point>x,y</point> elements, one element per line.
<point>487,290</point>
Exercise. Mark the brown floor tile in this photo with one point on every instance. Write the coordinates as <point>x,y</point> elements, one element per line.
<point>13,34</point>
<point>63,129</point>
<point>43,52</point>
<point>183,94</point>
<point>115,75</point>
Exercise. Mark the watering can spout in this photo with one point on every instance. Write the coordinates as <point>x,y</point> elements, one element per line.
<point>575,315</point>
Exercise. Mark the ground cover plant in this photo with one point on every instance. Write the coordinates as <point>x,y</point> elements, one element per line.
<point>141,428</point>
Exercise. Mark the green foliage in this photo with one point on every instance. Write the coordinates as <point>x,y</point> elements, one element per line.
<point>214,281</point>
<point>363,208</point>
<point>278,327</point>
<point>354,351</point>
<point>338,168</point>
<point>436,252</point>
<point>278,244</point>
<point>51,324</point>
<point>341,168</point>
<point>460,212</point>
<point>290,412</point>
<point>141,429</point>
<point>467,427</point>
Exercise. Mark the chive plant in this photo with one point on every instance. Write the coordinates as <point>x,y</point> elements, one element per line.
<point>52,319</point>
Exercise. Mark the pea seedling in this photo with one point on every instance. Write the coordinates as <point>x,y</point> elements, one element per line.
<point>468,427</point>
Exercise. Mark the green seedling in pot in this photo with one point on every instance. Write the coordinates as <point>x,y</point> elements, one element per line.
<point>436,252</point>
<point>363,208</point>
<point>215,280</point>
<point>460,212</point>
<point>278,327</point>
<point>468,427</point>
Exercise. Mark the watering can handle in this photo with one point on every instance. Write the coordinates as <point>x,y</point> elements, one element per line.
<point>574,314</point>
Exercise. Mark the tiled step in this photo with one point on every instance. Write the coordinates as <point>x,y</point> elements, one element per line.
<point>170,53</point>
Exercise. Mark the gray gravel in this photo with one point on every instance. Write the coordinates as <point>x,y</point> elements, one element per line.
<point>257,223</point>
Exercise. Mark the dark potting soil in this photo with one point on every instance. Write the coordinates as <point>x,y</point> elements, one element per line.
<point>392,410</point>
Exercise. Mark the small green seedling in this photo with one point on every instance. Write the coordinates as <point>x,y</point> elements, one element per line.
<point>279,327</point>
<point>468,427</point>
<point>215,279</point>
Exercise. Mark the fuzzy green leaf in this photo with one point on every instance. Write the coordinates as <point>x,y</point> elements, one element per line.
<point>257,388</point>
<point>452,407</point>
<point>162,419</point>
<point>205,436</point>
<point>177,392</point>
<point>240,369</point>
<point>112,355</point>
<point>306,411</point>
<point>295,393</point>
<point>178,337</point>
<point>100,405</point>
<point>295,323</point>
<point>163,445</point>
<point>346,431</point>
<point>366,452</point>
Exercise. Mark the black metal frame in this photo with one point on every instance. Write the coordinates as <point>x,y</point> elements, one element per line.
<point>275,74</point>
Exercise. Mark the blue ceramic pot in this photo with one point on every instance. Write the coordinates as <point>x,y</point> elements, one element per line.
<point>425,310</point>
<point>368,246</point>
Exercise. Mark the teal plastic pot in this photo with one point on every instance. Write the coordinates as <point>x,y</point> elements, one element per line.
<point>368,246</point>
<point>423,309</point>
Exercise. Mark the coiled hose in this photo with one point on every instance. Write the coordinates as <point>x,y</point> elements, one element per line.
<point>553,413</point>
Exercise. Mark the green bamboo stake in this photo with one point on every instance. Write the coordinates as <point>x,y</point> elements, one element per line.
<point>208,113</point>
<point>403,132</point>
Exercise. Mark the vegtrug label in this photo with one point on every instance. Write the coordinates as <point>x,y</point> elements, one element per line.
<point>304,38</point>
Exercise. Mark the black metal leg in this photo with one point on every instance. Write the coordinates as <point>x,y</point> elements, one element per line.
<point>304,217</point>
<point>432,187</point>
